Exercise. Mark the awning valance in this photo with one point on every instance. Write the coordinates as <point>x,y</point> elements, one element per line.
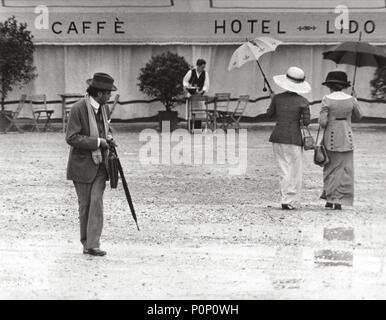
<point>185,22</point>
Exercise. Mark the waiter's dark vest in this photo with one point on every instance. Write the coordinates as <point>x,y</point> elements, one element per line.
<point>197,82</point>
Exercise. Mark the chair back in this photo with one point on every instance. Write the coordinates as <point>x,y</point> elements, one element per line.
<point>21,104</point>
<point>242,103</point>
<point>222,101</point>
<point>37,102</point>
<point>67,109</point>
<point>198,106</point>
<point>115,102</point>
<point>198,97</point>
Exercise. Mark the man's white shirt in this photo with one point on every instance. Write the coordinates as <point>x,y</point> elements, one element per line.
<point>95,105</point>
<point>186,83</point>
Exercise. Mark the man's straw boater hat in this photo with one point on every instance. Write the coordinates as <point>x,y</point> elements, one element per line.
<point>102,81</point>
<point>294,80</point>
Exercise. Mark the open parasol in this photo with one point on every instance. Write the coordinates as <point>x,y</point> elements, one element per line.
<point>356,53</point>
<point>252,50</point>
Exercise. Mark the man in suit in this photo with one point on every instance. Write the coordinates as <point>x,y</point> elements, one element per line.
<point>89,135</point>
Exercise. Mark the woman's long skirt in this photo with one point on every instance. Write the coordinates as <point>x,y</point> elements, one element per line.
<point>289,159</point>
<point>338,178</point>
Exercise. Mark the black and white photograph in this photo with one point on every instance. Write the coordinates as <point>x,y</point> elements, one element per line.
<point>192,150</point>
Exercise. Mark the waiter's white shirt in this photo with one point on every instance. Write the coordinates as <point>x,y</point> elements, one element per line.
<point>95,105</point>
<point>186,84</point>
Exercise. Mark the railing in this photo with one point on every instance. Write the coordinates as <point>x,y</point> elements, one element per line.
<point>123,103</point>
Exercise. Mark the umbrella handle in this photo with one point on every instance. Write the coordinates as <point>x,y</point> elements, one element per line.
<point>355,72</point>
<point>265,78</point>
<point>356,67</point>
<point>353,81</point>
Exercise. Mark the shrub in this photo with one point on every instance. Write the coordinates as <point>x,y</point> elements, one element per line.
<point>162,76</point>
<point>379,84</point>
<point>16,56</point>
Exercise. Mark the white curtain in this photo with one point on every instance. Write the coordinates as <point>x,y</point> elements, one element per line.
<point>64,69</point>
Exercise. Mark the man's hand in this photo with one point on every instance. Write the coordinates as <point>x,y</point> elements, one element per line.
<point>103,144</point>
<point>111,141</point>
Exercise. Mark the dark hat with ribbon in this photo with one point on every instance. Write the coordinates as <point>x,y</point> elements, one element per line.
<point>102,81</point>
<point>337,77</point>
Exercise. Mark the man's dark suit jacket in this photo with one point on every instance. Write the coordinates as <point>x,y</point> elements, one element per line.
<point>81,167</point>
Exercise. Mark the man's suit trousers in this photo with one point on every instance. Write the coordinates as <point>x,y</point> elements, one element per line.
<point>90,199</point>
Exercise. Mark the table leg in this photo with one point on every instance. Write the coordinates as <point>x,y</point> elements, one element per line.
<point>215,117</point>
<point>63,114</point>
<point>12,124</point>
<point>189,115</point>
<point>47,121</point>
<point>36,123</point>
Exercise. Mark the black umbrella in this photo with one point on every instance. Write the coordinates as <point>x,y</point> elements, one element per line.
<point>115,167</point>
<point>358,54</point>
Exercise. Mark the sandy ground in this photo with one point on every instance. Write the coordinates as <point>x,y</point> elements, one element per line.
<point>204,234</point>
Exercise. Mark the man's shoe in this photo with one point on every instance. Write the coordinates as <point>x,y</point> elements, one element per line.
<point>287,207</point>
<point>328,205</point>
<point>337,206</point>
<point>96,252</point>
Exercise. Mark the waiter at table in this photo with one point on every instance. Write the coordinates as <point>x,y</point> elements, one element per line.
<point>197,77</point>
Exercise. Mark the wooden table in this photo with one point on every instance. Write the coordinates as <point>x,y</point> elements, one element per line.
<point>64,97</point>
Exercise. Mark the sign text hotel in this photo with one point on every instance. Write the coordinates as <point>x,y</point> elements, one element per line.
<point>200,28</point>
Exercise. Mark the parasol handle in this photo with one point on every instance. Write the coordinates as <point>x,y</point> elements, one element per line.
<point>355,74</point>
<point>356,67</point>
<point>265,78</point>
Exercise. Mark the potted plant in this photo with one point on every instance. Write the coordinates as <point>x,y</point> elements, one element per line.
<point>161,78</point>
<point>16,60</point>
<point>379,84</point>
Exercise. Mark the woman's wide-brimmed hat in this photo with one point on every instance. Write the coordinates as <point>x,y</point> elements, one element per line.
<point>337,77</point>
<point>102,81</point>
<point>294,80</point>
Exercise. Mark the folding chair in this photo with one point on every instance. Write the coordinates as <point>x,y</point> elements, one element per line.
<point>12,115</point>
<point>233,118</point>
<point>197,109</point>
<point>38,105</point>
<point>66,114</point>
<point>221,106</point>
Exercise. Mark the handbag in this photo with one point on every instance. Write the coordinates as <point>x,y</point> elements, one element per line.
<point>307,138</point>
<point>320,153</point>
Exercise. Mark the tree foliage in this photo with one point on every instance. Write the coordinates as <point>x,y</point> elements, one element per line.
<point>162,77</point>
<point>16,56</point>
<point>379,84</point>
